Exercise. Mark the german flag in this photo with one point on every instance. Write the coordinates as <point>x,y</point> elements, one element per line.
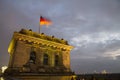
<point>44,21</point>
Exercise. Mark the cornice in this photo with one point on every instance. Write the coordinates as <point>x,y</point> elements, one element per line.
<point>34,40</point>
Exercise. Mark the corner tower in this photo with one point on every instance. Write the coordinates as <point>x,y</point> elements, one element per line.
<point>38,53</point>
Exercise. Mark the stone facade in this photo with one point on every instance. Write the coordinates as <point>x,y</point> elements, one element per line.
<point>31,52</point>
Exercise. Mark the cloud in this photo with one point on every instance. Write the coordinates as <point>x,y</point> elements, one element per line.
<point>96,46</point>
<point>97,38</point>
<point>113,54</point>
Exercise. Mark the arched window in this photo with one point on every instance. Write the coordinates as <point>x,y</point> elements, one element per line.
<point>45,59</point>
<point>56,60</point>
<point>32,57</point>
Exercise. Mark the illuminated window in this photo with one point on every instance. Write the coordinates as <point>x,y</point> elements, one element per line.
<point>56,60</point>
<point>45,61</point>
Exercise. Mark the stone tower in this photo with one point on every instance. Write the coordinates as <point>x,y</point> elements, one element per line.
<point>31,52</point>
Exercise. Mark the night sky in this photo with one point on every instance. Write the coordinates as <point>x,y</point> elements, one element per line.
<point>91,26</point>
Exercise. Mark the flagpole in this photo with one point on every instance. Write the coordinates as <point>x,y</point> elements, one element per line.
<point>39,28</point>
<point>39,25</point>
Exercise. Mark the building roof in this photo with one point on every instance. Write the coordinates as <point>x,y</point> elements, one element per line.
<point>43,36</point>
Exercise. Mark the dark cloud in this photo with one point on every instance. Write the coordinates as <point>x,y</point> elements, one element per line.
<point>91,26</point>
